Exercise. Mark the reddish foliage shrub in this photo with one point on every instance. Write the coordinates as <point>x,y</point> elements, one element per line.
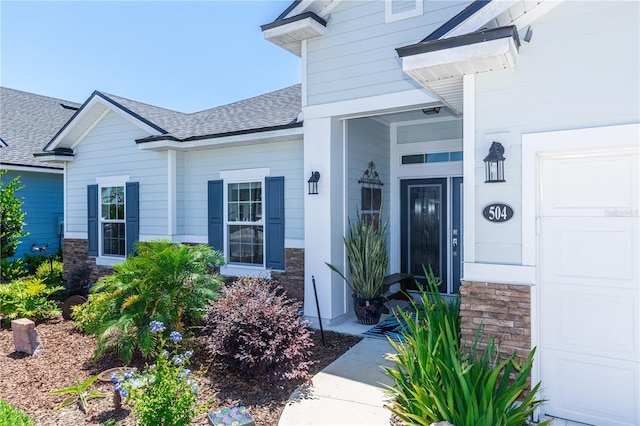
<point>255,329</point>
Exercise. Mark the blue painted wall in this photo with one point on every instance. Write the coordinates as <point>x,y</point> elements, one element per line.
<point>43,202</point>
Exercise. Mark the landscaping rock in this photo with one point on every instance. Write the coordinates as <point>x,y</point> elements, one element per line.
<point>26,337</point>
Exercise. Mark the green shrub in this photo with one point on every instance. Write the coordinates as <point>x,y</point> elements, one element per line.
<point>28,298</point>
<point>256,330</point>
<point>12,224</point>
<point>436,380</point>
<point>11,270</point>
<point>10,415</point>
<point>33,261</point>
<point>166,282</point>
<point>51,273</point>
<point>165,393</point>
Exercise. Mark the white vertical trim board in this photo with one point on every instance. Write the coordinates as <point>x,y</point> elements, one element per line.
<point>468,167</point>
<point>172,206</point>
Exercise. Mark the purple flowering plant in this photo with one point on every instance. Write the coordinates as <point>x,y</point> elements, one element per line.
<point>164,393</point>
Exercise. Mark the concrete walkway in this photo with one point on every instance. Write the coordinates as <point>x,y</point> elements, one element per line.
<point>349,391</point>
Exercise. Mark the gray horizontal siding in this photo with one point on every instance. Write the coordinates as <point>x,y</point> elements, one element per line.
<point>110,150</point>
<point>357,58</point>
<point>283,159</point>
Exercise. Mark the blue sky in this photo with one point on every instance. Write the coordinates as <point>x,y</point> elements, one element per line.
<point>185,56</point>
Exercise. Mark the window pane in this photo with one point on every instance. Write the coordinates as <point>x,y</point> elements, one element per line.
<point>113,239</point>
<point>232,192</point>
<point>232,214</point>
<point>246,244</point>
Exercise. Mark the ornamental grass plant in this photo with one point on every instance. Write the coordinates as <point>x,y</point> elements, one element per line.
<point>436,379</point>
<point>10,415</point>
<point>367,257</point>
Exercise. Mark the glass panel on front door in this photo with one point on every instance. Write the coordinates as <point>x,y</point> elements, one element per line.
<point>431,232</point>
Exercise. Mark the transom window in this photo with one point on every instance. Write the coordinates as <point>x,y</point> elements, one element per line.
<point>245,228</point>
<point>112,218</point>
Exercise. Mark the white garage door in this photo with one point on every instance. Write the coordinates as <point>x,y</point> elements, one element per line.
<point>590,287</point>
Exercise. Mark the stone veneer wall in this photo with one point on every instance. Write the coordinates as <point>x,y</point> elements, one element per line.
<point>292,279</point>
<point>505,311</point>
<point>74,254</point>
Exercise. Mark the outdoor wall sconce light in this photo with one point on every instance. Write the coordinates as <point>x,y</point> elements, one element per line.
<point>494,164</point>
<point>313,183</point>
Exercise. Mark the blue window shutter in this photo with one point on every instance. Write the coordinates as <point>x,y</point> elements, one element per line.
<point>132,215</point>
<point>274,221</point>
<point>92,220</point>
<point>215,213</point>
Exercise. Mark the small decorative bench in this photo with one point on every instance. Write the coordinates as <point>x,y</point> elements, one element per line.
<point>397,292</point>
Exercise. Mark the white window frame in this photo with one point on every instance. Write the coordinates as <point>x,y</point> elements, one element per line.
<point>389,16</point>
<point>105,182</point>
<point>243,176</point>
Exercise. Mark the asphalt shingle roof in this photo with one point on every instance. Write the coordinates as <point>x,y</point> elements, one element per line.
<point>27,123</point>
<point>279,108</point>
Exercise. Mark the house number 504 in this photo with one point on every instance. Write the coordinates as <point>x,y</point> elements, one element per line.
<point>497,212</point>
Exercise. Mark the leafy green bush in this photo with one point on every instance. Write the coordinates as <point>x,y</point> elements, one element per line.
<point>34,261</point>
<point>10,415</point>
<point>436,380</point>
<point>166,282</point>
<point>165,393</point>
<point>28,298</point>
<point>51,273</point>
<point>255,329</point>
<point>11,270</point>
<point>12,225</point>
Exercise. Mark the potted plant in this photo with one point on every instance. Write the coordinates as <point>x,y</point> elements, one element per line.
<point>367,260</point>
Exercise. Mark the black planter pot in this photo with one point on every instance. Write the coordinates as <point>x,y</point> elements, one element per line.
<point>368,311</point>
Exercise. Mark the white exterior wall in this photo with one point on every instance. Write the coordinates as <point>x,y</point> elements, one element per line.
<point>356,57</point>
<point>282,158</point>
<point>109,149</point>
<point>573,74</point>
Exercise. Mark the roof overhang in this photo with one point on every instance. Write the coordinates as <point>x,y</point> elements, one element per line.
<point>55,169</point>
<point>439,65</point>
<point>288,33</point>
<point>266,135</point>
<point>56,156</point>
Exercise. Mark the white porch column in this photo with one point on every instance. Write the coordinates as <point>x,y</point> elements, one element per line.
<point>324,218</point>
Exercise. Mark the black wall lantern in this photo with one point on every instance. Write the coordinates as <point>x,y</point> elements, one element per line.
<point>494,164</point>
<point>313,183</point>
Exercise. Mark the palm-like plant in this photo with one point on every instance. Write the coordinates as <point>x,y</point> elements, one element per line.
<point>166,282</point>
<point>80,393</point>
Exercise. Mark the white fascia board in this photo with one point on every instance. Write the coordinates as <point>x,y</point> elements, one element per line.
<point>53,158</point>
<point>391,102</point>
<point>306,26</point>
<point>32,169</point>
<point>481,17</point>
<point>300,8</point>
<point>504,47</point>
<point>496,8</point>
<point>245,139</point>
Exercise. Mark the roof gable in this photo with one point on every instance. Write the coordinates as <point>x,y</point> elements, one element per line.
<point>27,122</point>
<point>272,110</point>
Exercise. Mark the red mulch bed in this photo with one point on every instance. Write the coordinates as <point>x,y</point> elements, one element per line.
<point>25,380</point>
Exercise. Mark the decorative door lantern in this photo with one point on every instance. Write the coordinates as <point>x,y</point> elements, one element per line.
<point>313,183</point>
<point>494,163</point>
<point>371,194</point>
